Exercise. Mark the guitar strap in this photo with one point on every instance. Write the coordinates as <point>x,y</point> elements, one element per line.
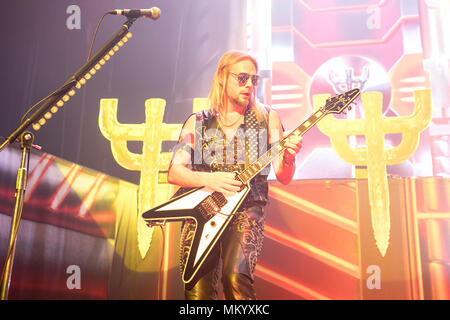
<point>251,128</point>
<point>251,135</point>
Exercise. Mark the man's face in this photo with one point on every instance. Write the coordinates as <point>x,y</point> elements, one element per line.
<point>237,92</point>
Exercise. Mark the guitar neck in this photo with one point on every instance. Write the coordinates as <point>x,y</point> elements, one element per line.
<point>252,170</point>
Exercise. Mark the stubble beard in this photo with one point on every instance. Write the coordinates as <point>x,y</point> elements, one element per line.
<point>241,103</point>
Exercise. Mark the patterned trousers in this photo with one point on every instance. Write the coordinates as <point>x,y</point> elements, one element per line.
<point>233,257</point>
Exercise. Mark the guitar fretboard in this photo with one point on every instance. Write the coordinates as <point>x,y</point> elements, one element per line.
<point>252,170</point>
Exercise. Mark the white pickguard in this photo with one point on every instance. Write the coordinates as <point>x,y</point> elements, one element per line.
<point>187,202</point>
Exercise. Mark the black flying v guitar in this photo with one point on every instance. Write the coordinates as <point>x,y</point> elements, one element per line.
<point>212,211</point>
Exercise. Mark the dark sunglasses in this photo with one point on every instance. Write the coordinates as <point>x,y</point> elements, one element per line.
<point>243,77</point>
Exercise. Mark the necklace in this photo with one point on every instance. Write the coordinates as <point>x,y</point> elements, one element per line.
<point>229,124</point>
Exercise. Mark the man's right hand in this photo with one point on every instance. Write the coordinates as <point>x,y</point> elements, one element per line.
<point>223,182</point>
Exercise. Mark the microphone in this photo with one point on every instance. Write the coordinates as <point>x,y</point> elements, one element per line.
<point>152,13</point>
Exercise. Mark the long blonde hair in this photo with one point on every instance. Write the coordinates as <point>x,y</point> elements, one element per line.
<point>219,83</point>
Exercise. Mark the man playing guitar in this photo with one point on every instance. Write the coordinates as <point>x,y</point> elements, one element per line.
<point>213,146</point>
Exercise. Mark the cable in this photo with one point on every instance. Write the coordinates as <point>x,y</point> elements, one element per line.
<point>73,81</point>
<point>95,34</point>
<point>56,92</point>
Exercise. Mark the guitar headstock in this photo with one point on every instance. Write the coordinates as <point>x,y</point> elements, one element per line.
<point>339,103</point>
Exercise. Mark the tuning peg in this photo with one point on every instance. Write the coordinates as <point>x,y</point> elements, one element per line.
<point>349,108</point>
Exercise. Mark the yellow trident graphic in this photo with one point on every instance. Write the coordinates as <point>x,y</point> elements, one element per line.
<point>374,127</point>
<point>153,188</point>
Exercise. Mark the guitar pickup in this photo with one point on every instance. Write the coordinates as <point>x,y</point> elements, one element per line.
<point>212,204</point>
<point>219,199</point>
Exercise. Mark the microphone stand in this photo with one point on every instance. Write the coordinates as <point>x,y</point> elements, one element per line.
<point>26,142</point>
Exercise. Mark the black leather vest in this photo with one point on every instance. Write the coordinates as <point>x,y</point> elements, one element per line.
<point>214,152</point>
